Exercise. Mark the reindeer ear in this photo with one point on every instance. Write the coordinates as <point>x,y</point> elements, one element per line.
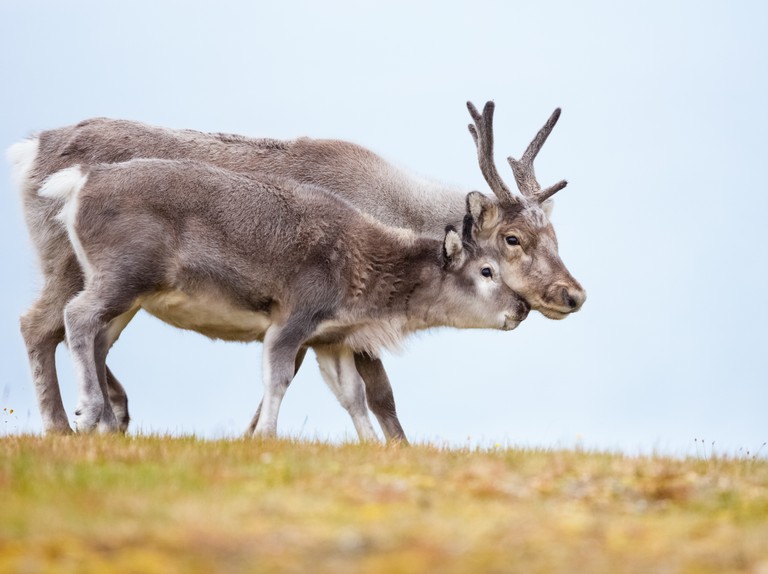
<point>547,206</point>
<point>482,209</point>
<point>453,249</point>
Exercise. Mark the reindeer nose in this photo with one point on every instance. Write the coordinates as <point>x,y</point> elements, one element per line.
<point>573,298</point>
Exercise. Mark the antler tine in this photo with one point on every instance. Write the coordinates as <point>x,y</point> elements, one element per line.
<point>535,146</point>
<point>544,195</point>
<point>482,134</point>
<point>525,175</point>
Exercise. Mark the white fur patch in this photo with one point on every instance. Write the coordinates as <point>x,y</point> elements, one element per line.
<point>207,313</point>
<point>547,207</point>
<point>66,185</point>
<point>488,286</point>
<point>22,156</point>
<point>337,366</point>
<point>273,392</point>
<point>366,335</point>
<point>119,323</point>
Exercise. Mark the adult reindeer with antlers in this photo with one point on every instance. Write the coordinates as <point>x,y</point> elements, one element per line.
<point>532,266</point>
<point>517,225</point>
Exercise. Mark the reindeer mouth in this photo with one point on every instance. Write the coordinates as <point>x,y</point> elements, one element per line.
<point>513,319</point>
<point>510,323</point>
<point>554,314</point>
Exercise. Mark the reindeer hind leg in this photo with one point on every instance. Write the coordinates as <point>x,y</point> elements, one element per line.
<point>381,399</point>
<point>42,328</point>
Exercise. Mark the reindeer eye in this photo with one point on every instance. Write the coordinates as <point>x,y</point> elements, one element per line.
<point>486,271</point>
<point>512,240</point>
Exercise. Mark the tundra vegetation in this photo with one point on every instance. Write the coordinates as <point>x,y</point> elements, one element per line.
<point>99,503</point>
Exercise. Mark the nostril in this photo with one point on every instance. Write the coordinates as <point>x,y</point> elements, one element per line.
<point>572,300</point>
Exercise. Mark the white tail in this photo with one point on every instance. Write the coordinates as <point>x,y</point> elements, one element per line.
<point>64,184</point>
<point>22,157</point>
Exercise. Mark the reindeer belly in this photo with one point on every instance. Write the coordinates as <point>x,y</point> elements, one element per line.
<point>208,314</point>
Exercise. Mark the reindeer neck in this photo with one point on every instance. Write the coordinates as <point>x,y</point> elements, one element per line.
<point>375,186</point>
<point>385,283</point>
<point>420,204</point>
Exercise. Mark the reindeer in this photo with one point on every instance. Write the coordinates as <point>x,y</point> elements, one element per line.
<point>245,258</point>
<point>519,224</point>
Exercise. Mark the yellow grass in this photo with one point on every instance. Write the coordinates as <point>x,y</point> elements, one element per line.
<point>156,504</point>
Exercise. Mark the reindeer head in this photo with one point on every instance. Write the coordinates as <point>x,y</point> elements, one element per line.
<point>518,227</point>
<point>475,295</point>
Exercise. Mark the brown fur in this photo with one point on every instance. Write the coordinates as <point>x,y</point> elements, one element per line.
<point>290,264</point>
<point>352,172</point>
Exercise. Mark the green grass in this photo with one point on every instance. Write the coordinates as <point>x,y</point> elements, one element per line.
<point>155,504</point>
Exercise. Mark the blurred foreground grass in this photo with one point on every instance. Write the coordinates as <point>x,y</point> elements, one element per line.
<point>155,504</point>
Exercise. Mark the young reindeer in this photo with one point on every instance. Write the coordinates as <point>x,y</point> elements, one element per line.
<point>246,258</point>
<point>518,225</point>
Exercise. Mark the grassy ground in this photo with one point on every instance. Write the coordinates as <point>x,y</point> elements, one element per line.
<point>153,504</point>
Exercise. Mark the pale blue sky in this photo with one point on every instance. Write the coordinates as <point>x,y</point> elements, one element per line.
<point>663,138</point>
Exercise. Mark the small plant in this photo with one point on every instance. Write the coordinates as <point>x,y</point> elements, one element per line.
<point>701,449</point>
<point>10,417</point>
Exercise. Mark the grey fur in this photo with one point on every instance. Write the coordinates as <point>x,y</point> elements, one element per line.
<point>290,264</point>
<point>353,172</point>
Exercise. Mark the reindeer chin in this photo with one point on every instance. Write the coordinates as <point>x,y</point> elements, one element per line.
<point>552,313</point>
<point>510,323</point>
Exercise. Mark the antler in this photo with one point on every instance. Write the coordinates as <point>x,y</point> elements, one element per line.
<point>482,133</point>
<point>523,168</point>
